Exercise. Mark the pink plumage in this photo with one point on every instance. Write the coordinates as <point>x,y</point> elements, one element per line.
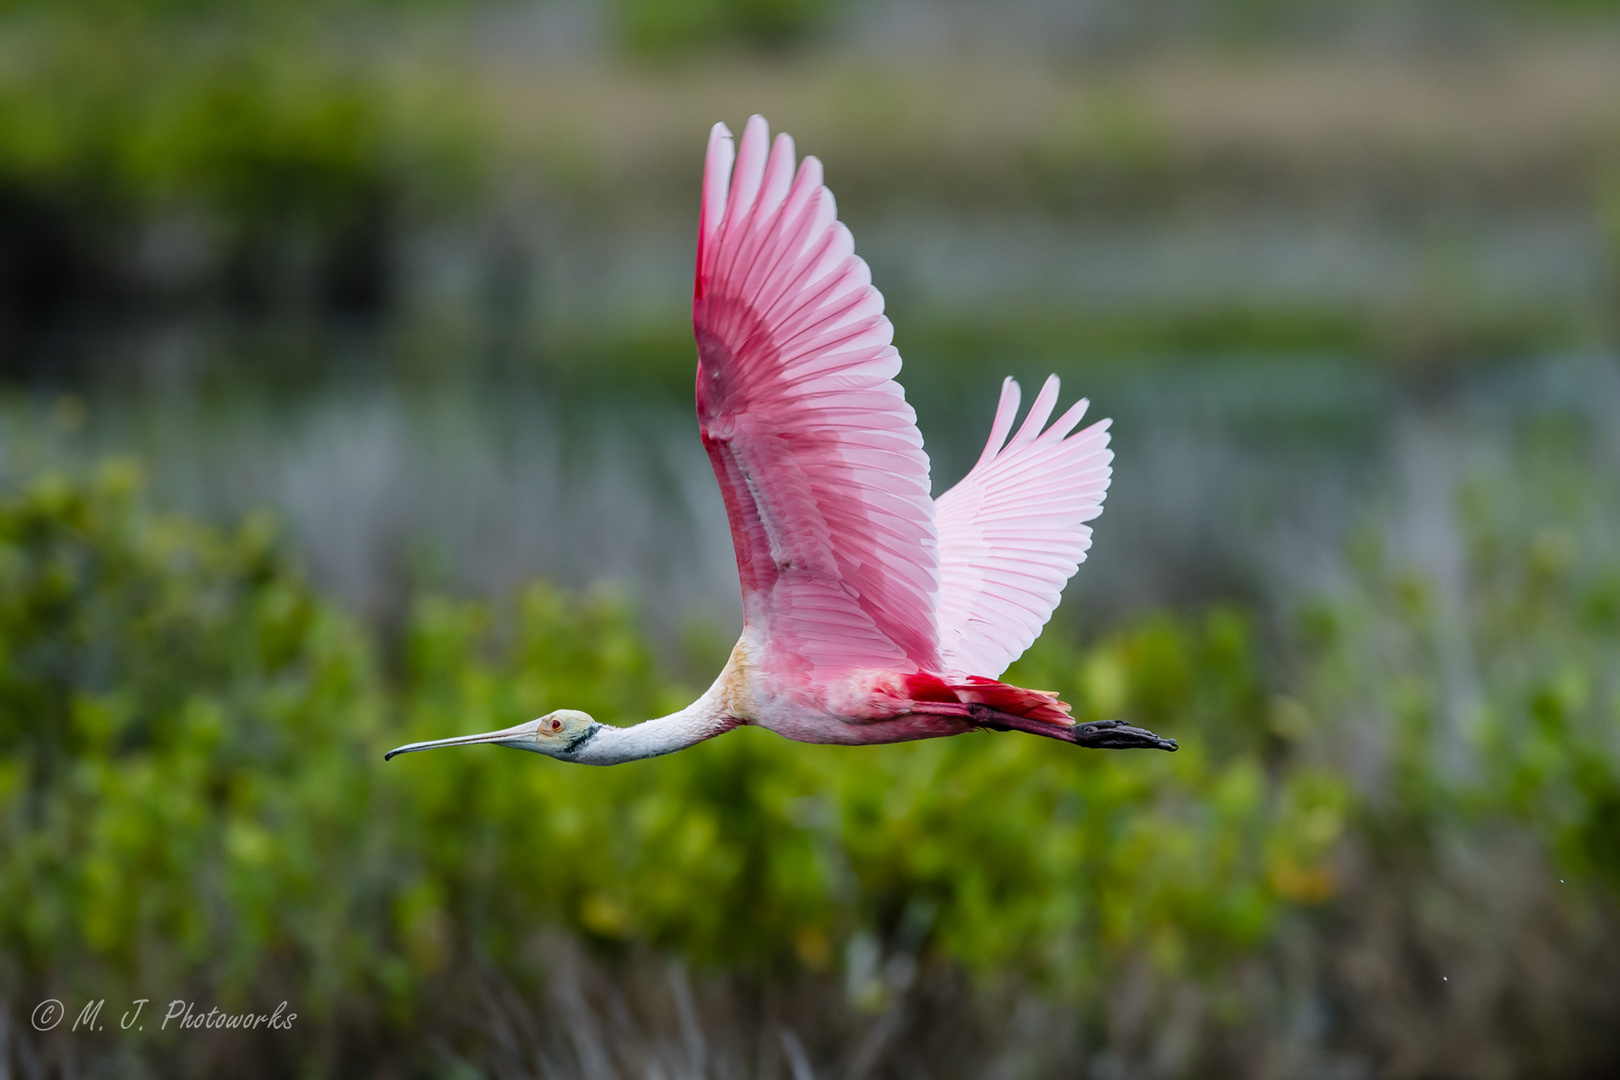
<point>871,612</point>
<point>1013,531</point>
<point>866,603</point>
<point>817,453</point>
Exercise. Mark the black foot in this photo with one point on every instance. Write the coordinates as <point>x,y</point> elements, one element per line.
<point>1117,735</point>
<point>1098,735</point>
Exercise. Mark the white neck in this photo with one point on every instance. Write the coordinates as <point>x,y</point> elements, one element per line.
<point>703,719</point>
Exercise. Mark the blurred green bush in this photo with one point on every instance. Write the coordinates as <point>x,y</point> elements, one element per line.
<point>193,801</point>
<point>755,852</point>
<point>192,795</point>
<point>665,28</point>
<point>186,733</point>
<point>161,152</point>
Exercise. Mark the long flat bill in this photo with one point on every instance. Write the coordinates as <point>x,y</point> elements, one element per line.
<point>516,732</point>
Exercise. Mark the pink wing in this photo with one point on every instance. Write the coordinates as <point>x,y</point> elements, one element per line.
<point>817,453</point>
<point>1013,531</point>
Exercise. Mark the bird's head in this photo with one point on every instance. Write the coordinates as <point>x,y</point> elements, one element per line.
<point>557,734</point>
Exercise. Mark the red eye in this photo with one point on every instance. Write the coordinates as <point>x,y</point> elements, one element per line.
<point>556,725</point>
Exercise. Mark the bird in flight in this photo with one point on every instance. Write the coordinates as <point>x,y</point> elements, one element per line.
<point>871,612</point>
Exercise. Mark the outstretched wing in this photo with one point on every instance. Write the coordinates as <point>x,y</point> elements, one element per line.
<point>817,453</point>
<point>1014,531</point>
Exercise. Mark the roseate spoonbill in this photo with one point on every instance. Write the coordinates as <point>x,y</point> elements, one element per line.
<point>872,613</point>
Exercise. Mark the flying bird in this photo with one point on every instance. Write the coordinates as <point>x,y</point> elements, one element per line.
<point>871,612</point>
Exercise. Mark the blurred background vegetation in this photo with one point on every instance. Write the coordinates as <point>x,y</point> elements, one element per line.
<point>345,400</point>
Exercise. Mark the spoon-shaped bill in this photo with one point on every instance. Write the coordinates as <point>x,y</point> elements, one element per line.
<point>521,731</point>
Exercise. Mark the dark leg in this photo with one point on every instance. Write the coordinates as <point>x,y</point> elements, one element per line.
<point>1099,734</point>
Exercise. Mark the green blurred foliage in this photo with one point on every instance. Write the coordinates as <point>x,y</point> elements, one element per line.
<point>1022,849</point>
<point>251,116</point>
<point>274,139</point>
<point>192,794</point>
<point>665,28</point>
<point>1502,703</point>
<point>176,798</point>
<point>192,9</point>
<point>756,853</point>
<point>247,137</point>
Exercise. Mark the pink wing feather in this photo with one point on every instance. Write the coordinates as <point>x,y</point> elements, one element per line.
<point>1013,531</point>
<point>817,453</point>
